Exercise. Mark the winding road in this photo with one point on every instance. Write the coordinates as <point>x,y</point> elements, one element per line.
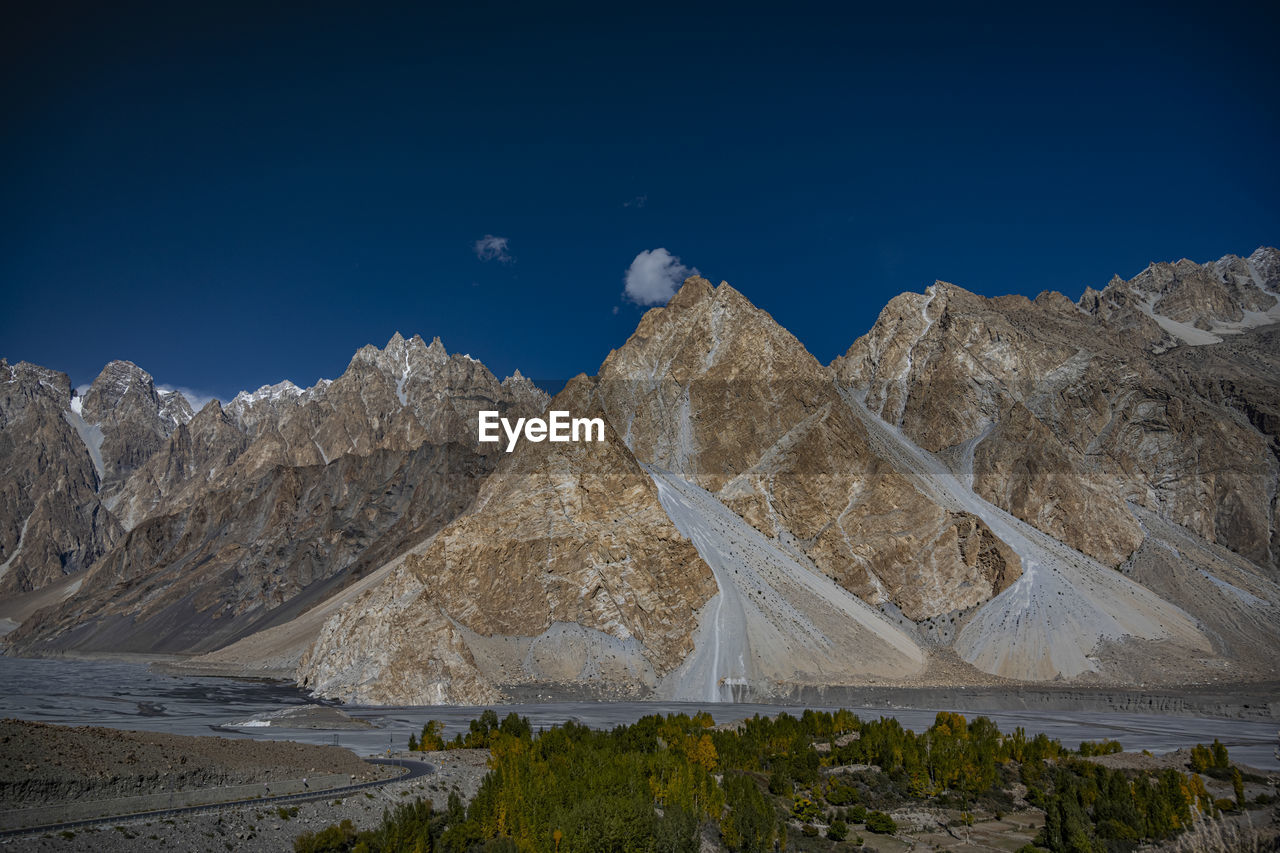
<point>413,770</point>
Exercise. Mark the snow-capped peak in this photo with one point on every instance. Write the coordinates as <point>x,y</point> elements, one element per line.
<point>268,392</point>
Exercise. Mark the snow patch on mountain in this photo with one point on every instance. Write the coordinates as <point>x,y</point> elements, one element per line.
<point>91,435</point>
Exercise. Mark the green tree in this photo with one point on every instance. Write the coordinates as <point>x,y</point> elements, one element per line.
<point>1201,758</point>
<point>750,823</point>
<point>1221,759</point>
<point>432,737</point>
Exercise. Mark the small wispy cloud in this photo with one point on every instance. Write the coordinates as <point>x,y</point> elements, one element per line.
<point>491,248</point>
<point>638,201</point>
<point>654,276</point>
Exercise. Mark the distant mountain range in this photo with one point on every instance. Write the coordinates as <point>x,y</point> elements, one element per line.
<point>980,491</point>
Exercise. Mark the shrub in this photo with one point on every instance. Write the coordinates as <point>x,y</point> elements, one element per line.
<point>840,793</point>
<point>809,830</point>
<point>838,831</point>
<point>881,823</point>
<point>805,809</point>
<point>1104,747</point>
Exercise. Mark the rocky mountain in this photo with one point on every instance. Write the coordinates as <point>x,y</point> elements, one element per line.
<point>851,538</point>
<point>979,491</point>
<point>712,389</point>
<point>566,570</point>
<point>234,525</point>
<point>65,458</point>
<point>1063,420</point>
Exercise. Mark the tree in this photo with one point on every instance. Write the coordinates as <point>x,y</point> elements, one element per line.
<point>1201,758</point>
<point>702,751</point>
<point>750,823</point>
<point>432,738</point>
<point>1220,758</point>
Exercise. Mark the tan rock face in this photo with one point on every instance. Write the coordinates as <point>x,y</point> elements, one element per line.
<point>1061,416</point>
<point>706,385</point>
<point>712,388</point>
<point>1046,484</point>
<point>561,535</point>
<point>866,525</point>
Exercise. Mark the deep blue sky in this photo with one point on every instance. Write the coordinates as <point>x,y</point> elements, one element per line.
<point>233,196</point>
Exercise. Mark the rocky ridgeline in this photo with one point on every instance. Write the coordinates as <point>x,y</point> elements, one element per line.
<point>242,518</point>
<point>997,489</point>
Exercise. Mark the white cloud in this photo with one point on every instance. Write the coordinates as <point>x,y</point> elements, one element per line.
<point>615,309</point>
<point>654,276</point>
<point>638,201</point>
<point>491,248</point>
<point>197,399</point>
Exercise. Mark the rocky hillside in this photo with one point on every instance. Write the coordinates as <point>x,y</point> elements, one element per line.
<point>566,570</point>
<point>980,491</point>
<point>64,458</point>
<point>950,502</point>
<point>242,518</point>
<point>1063,414</point>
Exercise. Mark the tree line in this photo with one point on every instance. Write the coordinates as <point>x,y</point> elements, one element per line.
<point>662,783</point>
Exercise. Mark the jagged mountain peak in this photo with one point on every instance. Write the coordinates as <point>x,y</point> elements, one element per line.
<point>283,388</point>
<point>210,410</point>
<point>709,332</point>
<point>33,375</point>
<point>119,381</point>
<point>175,406</point>
<point>1184,302</point>
<point>525,390</point>
<point>708,383</point>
